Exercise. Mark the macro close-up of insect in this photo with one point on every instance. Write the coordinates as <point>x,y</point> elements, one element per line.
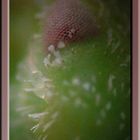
<point>70,75</point>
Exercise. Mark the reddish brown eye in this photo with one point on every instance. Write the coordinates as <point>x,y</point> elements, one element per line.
<point>69,21</point>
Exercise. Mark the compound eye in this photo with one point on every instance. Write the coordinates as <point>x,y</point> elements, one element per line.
<point>71,20</point>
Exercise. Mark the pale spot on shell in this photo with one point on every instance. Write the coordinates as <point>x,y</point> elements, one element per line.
<point>57,54</point>
<point>35,72</point>
<point>46,62</point>
<point>108,106</point>
<point>86,86</point>
<point>43,97</point>
<point>51,48</point>
<point>76,81</point>
<point>61,45</point>
<point>110,82</point>
<point>57,61</point>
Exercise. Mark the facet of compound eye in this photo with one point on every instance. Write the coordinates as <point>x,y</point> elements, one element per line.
<point>68,21</point>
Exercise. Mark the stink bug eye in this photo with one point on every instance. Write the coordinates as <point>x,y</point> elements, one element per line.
<point>73,22</point>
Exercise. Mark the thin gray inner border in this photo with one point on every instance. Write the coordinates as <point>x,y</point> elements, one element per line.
<point>135,72</point>
<point>5,70</point>
<point>138,70</point>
